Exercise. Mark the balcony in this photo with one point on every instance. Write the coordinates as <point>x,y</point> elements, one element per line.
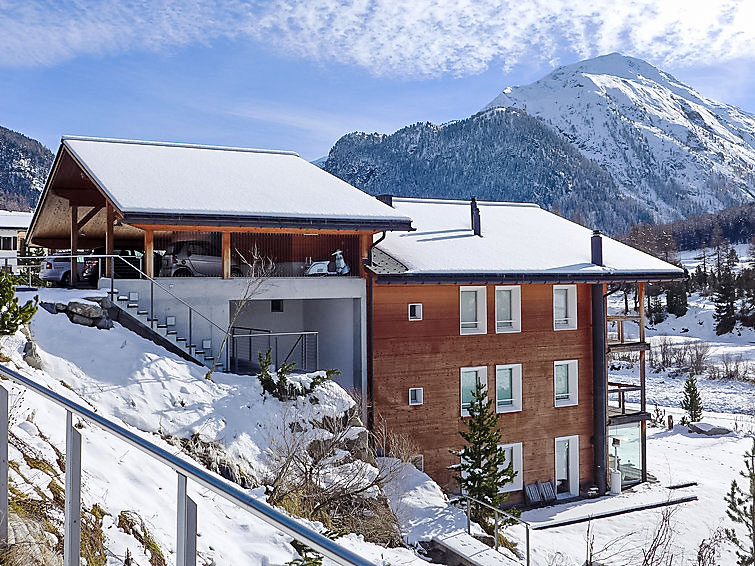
<point>625,403</point>
<point>623,334</point>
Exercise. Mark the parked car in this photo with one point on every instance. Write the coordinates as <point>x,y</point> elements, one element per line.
<point>195,258</point>
<point>57,268</point>
<point>126,268</point>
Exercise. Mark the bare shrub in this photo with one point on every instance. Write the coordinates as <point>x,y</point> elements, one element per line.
<point>731,367</point>
<point>710,549</point>
<point>699,352</point>
<point>659,552</point>
<point>686,357</point>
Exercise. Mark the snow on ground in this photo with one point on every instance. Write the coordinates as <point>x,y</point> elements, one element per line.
<point>131,380</point>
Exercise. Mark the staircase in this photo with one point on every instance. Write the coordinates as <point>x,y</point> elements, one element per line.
<point>181,333</point>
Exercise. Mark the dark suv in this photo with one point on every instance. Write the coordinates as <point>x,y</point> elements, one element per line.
<point>125,267</point>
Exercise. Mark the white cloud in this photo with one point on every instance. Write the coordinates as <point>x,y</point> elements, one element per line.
<point>387,37</point>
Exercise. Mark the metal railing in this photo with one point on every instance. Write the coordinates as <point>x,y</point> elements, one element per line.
<point>298,347</point>
<point>186,509</point>
<point>498,515</point>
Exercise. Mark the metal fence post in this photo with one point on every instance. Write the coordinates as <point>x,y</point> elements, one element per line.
<point>4,437</point>
<point>527,542</point>
<point>469,520</point>
<point>72,532</point>
<point>186,531</point>
<point>495,515</point>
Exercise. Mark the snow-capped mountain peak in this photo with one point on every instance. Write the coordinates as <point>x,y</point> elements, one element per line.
<point>662,141</point>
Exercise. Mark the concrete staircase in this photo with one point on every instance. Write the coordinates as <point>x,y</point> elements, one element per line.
<point>164,327</point>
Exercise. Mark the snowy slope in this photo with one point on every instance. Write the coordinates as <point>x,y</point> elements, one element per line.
<point>662,142</point>
<point>160,395</point>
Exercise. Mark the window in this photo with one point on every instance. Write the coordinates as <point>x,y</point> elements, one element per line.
<point>415,311</point>
<point>472,310</point>
<point>7,242</point>
<point>508,388</point>
<point>565,382</point>
<point>512,454</point>
<point>469,379</point>
<point>508,309</point>
<point>418,461</point>
<point>564,307</point>
<point>276,305</point>
<point>567,466</point>
<point>416,396</point>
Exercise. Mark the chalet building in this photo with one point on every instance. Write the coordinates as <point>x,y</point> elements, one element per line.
<point>412,300</point>
<point>515,297</point>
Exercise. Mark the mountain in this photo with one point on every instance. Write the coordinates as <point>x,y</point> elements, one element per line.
<point>499,154</point>
<point>24,164</point>
<point>662,142</point>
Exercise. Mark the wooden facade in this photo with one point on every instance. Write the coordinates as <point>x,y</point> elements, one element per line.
<point>431,352</point>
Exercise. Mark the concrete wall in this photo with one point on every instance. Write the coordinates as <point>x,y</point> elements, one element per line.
<point>333,306</point>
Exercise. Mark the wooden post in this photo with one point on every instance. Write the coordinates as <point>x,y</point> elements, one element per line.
<point>109,241</point>
<point>643,400</point>
<point>365,240</point>
<point>149,252</point>
<point>226,255</point>
<point>74,276</point>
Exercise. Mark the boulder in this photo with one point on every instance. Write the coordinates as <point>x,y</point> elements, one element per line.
<point>708,429</point>
<point>61,307</point>
<point>79,319</point>
<point>31,355</point>
<point>86,309</point>
<point>104,323</point>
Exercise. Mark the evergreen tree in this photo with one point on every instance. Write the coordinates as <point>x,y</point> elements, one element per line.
<point>725,298</point>
<point>741,510</point>
<point>12,314</point>
<point>692,403</point>
<point>482,470</point>
<point>676,299</point>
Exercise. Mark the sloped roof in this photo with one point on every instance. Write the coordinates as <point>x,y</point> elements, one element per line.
<point>14,219</point>
<point>519,241</point>
<point>153,179</point>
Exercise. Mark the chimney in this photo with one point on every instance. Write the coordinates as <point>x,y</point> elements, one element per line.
<point>387,199</point>
<point>476,218</point>
<point>596,248</point>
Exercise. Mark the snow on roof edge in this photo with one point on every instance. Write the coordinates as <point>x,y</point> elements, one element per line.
<point>421,200</point>
<point>177,144</point>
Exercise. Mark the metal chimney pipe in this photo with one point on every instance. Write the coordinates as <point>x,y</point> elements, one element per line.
<point>596,248</point>
<point>476,218</point>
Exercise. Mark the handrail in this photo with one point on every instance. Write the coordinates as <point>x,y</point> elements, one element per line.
<point>212,482</point>
<point>250,329</point>
<point>269,334</point>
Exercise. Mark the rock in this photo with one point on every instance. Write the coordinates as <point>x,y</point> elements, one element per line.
<point>104,323</point>
<point>61,307</point>
<point>49,307</point>
<point>708,429</point>
<point>357,443</point>
<point>31,355</point>
<point>85,309</point>
<point>79,319</point>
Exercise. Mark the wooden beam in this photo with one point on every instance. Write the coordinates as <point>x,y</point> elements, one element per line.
<point>365,240</point>
<point>149,252</point>
<point>87,217</point>
<point>74,244</point>
<point>226,255</point>
<point>80,197</point>
<point>245,229</point>
<point>109,240</point>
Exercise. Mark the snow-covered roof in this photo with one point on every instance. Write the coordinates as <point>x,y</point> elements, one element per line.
<point>13,219</point>
<point>517,239</point>
<point>154,178</point>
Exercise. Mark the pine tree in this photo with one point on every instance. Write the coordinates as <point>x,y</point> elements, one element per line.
<point>482,469</point>
<point>12,314</point>
<point>676,299</point>
<point>692,403</point>
<point>741,510</point>
<point>725,298</point>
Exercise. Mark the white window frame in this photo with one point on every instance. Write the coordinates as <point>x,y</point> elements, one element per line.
<point>516,309</point>
<point>418,311</point>
<point>573,398</point>
<point>420,398</point>
<point>573,466</point>
<point>482,376</point>
<point>516,389</point>
<point>569,323</point>
<point>517,484</point>
<point>482,311</point>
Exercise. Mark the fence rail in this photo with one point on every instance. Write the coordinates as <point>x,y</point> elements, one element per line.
<point>186,515</point>
<point>298,347</point>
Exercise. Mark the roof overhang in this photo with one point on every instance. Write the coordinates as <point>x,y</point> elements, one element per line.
<point>524,277</point>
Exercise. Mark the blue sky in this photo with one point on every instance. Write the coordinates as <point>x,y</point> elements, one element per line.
<point>298,75</point>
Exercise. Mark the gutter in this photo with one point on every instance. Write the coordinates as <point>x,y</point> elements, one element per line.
<point>524,277</point>
<point>367,399</point>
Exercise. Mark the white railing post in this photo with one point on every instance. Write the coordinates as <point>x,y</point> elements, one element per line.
<point>186,532</point>
<point>4,484</point>
<point>72,532</point>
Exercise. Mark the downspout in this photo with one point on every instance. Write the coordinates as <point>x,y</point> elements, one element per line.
<point>367,401</point>
<point>600,385</point>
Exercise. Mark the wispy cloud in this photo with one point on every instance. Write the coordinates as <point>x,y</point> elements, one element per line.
<point>387,37</point>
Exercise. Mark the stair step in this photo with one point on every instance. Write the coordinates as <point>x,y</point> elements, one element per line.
<point>133,305</point>
<point>122,298</point>
<point>199,352</point>
<point>173,333</point>
<point>142,313</point>
<point>180,339</point>
<point>209,358</point>
<point>161,325</point>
